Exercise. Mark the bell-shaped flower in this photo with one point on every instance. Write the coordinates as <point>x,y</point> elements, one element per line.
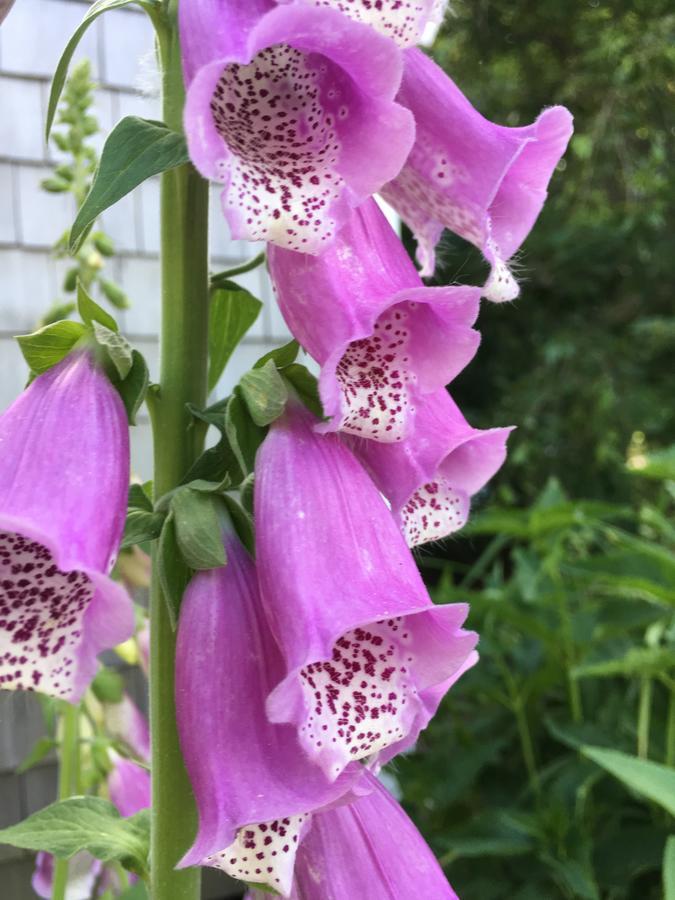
<point>291,108</point>
<point>369,848</point>
<point>401,20</point>
<point>254,786</point>
<point>429,479</point>
<point>382,338</point>
<point>64,475</point>
<point>85,876</point>
<point>485,182</point>
<point>367,655</point>
<point>128,785</point>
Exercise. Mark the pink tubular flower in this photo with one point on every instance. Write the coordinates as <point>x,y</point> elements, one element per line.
<point>292,108</point>
<point>401,20</point>
<point>383,339</point>
<point>430,478</point>
<point>483,181</point>
<point>254,787</point>
<point>129,786</point>
<point>83,874</point>
<point>367,656</point>
<point>64,472</point>
<point>368,848</point>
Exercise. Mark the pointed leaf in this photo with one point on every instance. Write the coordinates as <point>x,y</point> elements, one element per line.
<point>140,527</point>
<point>91,312</point>
<point>282,356</point>
<point>198,532</point>
<point>669,869</point>
<point>134,387</point>
<point>135,150</point>
<point>139,498</point>
<point>306,387</point>
<point>243,434</point>
<point>84,823</point>
<point>265,393</point>
<point>39,750</point>
<point>649,779</point>
<point>48,346</point>
<point>117,347</point>
<point>173,573</point>
<point>232,312</point>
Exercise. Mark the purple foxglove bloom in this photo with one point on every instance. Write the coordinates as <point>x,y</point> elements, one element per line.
<point>382,338</point>
<point>129,786</point>
<point>292,109</point>
<point>367,655</point>
<point>64,473</point>
<point>126,723</point>
<point>369,848</point>
<point>429,478</point>
<point>483,181</point>
<point>83,874</point>
<point>401,20</point>
<point>253,784</point>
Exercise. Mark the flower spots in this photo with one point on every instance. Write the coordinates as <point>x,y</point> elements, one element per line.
<point>375,377</point>
<point>277,117</point>
<point>501,286</point>
<point>41,612</point>
<point>263,854</point>
<point>361,700</point>
<point>401,20</point>
<point>434,511</point>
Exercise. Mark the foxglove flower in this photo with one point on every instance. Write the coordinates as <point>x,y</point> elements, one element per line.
<point>367,656</point>
<point>253,785</point>
<point>292,109</point>
<point>84,873</point>
<point>483,181</point>
<point>369,848</point>
<point>401,20</point>
<point>429,478</point>
<point>128,785</point>
<point>64,472</point>
<point>383,339</point>
<point>125,722</point>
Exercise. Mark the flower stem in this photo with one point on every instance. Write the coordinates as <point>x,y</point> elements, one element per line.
<point>69,767</point>
<point>670,730</point>
<point>183,369</point>
<point>644,717</point>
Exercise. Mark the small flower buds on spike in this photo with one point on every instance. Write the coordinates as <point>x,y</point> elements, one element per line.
<point>367,656</point>
<point>368,848</point>
<point>253,784</point>
<point>64,474</point>
<point>383,339</point>
<point>292,109</point>
<point>429,479</point>
<point>485,182</point>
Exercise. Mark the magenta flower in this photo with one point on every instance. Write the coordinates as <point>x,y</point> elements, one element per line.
<point>369,848</point>
<point>292,108</point>
<point>84,873</point>
<point>254,786</point>
<point>401,20</point>
<point>367,656</point>
<point>383,339</point>
<point>429,478</point>
<point>64,472</point>
<point>483,181</point>
<point>129,786</point>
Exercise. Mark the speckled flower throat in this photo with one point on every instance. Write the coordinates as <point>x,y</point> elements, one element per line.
<point>41,612</point>
<point>398,19</point>
<point>375,377</point>
<point>263,854</point>
<point>277,116</point>
<point>362,699</point>
<point>434,511</point>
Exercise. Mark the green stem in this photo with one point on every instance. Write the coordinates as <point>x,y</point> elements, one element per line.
<point>644,717</point>
<point>183,369</point>
<point>670,731</point>
<point>527,748</point>
<point>69,767</point>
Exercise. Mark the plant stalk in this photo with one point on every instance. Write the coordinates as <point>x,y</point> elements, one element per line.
<point>69,767</point>
<point>644,717</point>
<point>183,380</point>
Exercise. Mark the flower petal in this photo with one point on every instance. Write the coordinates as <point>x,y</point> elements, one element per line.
<point>483,181</point>
<point>129,786</point>
<point>383,339</point>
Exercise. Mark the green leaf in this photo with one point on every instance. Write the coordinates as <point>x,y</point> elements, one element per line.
<point>48,346</point>
<point>306,387</point>
<point>232,312</point>
<point>265,393</point>
<point>39,750</point>
<point>198,531</point>
<point>281,356</point>
<point>139,498</point>
<point>140,527</point>
<point>246,489</point>
<point>638,661</point>
<point>91,312</point>
<point>61,73</point>
<point>173,573</point>
<point>243,435</point>
<point>649,779</point>
<point>117,347</point>
<point>137,892</point>
<point>222,277</point>
<point>108,686</point>
<point>243,523</point>
<point>114,294</point>
<point>85,823</point>
<point>134,387</point>
<point>135,150</point>
<point>669,869</point>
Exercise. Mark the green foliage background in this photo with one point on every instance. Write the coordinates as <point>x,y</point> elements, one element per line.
<point>568,564</point>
